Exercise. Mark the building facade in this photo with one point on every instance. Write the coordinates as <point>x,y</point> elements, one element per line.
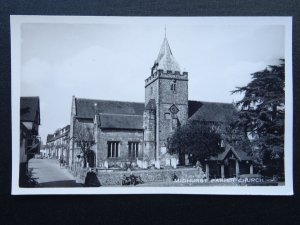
<point>137,133</point>
<point>57,144</point>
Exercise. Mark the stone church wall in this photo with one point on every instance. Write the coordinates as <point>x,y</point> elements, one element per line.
<point>180,95</point>
<point>151,92</point>
<point>121,136</point>
<point>168,121</point>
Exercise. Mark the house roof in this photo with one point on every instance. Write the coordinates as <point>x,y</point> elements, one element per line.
<point>239,154</point>
<point>211,111</point>
<point>165,60</point>
<point>117,121</point>
<point>50,137</point>
<point>30,109</point>
<point>53,137</point>
<point>86,108</point>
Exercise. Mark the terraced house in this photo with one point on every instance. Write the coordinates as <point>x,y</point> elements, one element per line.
<point>137,132</point>
<point>58,143</point>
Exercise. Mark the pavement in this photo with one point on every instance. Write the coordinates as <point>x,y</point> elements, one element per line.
<point>48,173</point>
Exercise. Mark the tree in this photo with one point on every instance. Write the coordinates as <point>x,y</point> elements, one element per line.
<point>234,136</point>
<point>261,115</point>
<point>197,139</point>
<point>84,137</point>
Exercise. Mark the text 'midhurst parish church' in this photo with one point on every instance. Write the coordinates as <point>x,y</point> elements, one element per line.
<point>138,132</point>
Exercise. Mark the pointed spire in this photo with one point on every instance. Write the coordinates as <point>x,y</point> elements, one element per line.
<point>165,59</point>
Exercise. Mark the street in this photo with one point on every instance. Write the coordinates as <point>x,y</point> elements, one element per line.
<point>50,174</point>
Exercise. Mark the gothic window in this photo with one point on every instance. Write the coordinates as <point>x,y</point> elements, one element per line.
<point>133,149</point>
<point>113,149</point>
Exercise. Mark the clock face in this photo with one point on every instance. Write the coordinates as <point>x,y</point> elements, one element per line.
<point>173,109</point>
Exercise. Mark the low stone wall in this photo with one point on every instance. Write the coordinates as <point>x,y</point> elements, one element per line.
<point>110,177</point>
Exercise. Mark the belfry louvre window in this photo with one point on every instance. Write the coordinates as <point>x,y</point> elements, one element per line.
<point>113,149</point>
<point>173,85</point>
<point>133,149</point>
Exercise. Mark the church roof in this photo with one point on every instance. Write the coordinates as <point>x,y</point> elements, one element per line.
<point>211,111</point>
<point>165,60</point>
<point>117,121</point>
<point>86,108</point>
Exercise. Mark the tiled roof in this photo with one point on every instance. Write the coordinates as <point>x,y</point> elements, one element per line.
<point>211,111</point>
<point>165,60</point>
<point>52,137</point>
<point>239,154</point>
<point>117,121</point>
<point>86,108</point>
<point>30,109</point>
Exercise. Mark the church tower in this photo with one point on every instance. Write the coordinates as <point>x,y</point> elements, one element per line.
<point>166,94</point>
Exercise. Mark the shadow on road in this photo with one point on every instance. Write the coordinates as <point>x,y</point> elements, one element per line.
<point>61,183</point>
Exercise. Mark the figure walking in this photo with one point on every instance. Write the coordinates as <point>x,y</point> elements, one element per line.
<point>61,160</point>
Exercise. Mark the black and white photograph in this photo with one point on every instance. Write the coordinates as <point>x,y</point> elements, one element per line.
<point>152,105</point>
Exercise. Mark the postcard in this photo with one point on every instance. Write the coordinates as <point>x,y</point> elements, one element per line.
<point>151,105</point>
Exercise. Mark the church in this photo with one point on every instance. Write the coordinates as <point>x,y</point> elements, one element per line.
<point>137,132</point>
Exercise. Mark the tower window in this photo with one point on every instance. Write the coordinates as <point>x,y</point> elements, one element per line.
<point>173,85</point>
<point>133,149</point>
<point>151,90</point>
<point>113,149</point>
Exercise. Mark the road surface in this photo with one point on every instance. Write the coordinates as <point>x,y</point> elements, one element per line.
<point>50,174</point>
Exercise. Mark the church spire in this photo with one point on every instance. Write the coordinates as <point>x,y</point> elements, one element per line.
<point>165,60</point>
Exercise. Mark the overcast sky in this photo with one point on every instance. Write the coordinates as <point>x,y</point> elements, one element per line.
<point>111,61</point>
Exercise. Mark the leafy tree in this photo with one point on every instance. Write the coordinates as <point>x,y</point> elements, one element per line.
<point>261,115</point>
<point>197,139</point>
<point>233,135</point>
<point>84,137</point>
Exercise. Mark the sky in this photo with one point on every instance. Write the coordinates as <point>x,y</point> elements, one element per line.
<point>111,61</point>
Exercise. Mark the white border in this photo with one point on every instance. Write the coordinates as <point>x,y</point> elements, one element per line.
<point>18,20</point>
